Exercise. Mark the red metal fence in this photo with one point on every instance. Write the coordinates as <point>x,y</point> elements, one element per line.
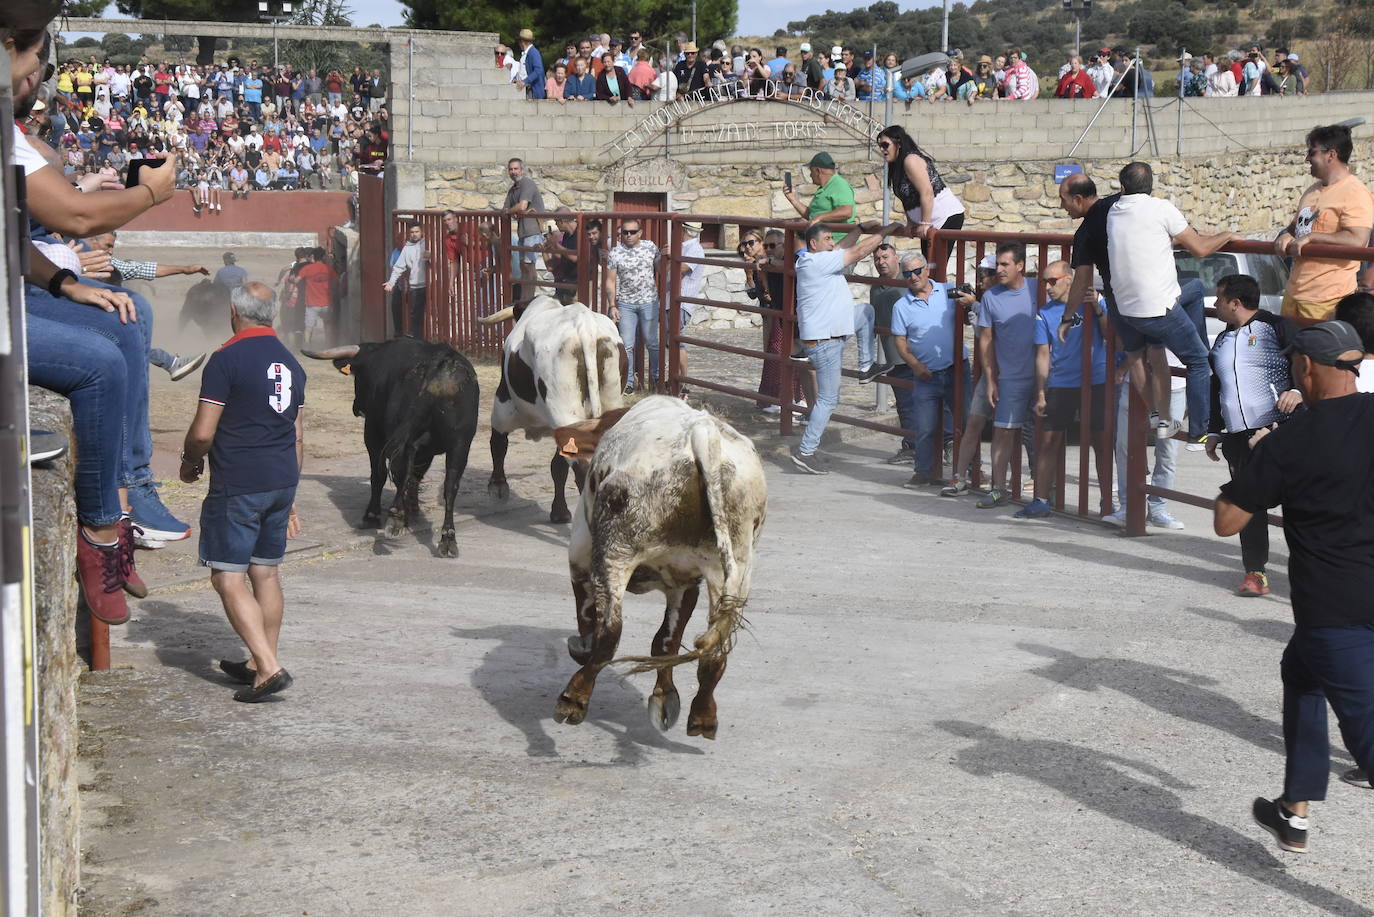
<point>482,277</point>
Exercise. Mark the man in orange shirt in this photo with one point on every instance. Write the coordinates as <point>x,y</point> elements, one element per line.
<point>1337,210</point>
<point>317,282</point>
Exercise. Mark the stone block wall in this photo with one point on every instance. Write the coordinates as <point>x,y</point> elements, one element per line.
<point>55,601</point>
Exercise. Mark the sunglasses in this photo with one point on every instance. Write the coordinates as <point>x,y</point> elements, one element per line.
<point>629,232</point>
<point>771,245</point>
<point>749,242</point>
<point>913,272</point>
<point>1056,279</point>
<point>884,145</point>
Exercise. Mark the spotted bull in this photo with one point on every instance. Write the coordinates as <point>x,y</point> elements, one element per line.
<point>674,497</point>
<point>417,400</point>
<point>559,365</point>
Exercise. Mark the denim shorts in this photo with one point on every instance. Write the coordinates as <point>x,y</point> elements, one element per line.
<point>1013,403</point>
<point>244,529</point>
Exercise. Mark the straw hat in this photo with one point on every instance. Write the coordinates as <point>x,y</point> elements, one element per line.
<point>527,35</point>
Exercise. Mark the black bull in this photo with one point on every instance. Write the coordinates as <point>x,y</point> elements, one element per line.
<point>417,400</point>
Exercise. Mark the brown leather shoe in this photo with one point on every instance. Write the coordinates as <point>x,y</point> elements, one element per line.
<point>133,583</point>
<point>100,573</point>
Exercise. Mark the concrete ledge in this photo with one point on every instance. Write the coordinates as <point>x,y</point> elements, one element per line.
<point>226,240</point>
<point>55,601</point>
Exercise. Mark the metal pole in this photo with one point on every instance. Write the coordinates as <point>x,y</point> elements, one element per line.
<point>1135,97</point>
<point>880,391</point>
<point>1178,130</point>
<point>944,26</point>
<point>694,21</point>
<point>1077,34</point>
<point>410,107</point>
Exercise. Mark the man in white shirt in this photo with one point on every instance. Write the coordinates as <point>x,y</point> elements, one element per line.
<point>825,317</point>
<point>1141,234</point>
<point>693,277</point>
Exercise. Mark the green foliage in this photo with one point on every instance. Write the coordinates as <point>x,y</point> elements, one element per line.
<point>87,42</point>
<point>556,23</point>
<point>84,7</point>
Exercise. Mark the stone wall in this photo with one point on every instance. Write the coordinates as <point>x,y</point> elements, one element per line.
<point>55,601</point>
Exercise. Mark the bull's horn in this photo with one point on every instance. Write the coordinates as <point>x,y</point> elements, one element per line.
<point>346,352</point>
<point>497,317</point>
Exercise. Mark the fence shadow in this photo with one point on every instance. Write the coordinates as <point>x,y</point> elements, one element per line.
<point>1138,794</point>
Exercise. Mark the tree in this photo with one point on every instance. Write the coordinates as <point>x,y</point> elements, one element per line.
<point>206,10</point>
<point>554,24</point>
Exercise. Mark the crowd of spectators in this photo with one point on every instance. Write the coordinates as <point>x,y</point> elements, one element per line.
<point>235,127</point>
<point>605,68</point>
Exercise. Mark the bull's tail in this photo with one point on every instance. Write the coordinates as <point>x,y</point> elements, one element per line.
<point>412,422</point>
<point>727,616</point>
<point>591,360</point>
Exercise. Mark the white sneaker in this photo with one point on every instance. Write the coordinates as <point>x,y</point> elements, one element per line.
<point>772,409</point>
<point>1160,519</point>
<point>1117,518</point>
<point>1165,429</point>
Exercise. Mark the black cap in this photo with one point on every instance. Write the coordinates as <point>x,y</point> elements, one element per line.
<point>868,53</point>
<point>1330,344</point>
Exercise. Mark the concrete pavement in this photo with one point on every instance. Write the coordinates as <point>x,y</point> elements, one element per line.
<point>936,710</point>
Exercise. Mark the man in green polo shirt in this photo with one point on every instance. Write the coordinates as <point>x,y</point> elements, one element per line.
<point>833,201</point>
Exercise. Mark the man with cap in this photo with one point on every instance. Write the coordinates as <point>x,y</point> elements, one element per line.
<point>231,276</point>
<point>871,81</point>
<point>1319,466</point>
<point>833,201</point>
<point>531,67</point>
<point>690,71</point>
<point>811,68</point>
<point>693,277</point>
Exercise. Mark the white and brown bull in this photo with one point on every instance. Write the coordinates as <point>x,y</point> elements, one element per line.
<point>673,497</point>
<point>559,365</point>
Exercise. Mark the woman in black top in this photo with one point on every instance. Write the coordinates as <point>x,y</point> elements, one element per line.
<point>911,173</point>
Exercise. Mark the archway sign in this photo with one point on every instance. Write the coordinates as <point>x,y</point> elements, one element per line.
<point>691,118</point>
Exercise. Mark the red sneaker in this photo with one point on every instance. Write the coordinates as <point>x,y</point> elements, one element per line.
<point>1256,584</point>
<point>100,573</point>
<point>133,583</point>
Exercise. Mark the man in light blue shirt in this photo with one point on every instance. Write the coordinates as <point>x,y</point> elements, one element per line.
<point>871,80</point>
<point>825,317</point>
<point>1006,345</point>
<point>1058,388</point>
<point>924,325</point>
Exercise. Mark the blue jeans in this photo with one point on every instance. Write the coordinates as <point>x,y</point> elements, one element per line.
<point>1166,453</point>
<point>89,369</point>
<point>133,341</point>
<point>1326,665</point>
<point>639,319</point>
<point>916,409</point>
<point>1177,330</point>
<point>863,333</point>
<point>825,359</point>
<point>1182,330</point>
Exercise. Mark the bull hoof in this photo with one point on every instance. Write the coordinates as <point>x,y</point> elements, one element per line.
<point>448,545</point>
<point>498,490</point>
<point>560,516</point>
<point>370,521</point>
<point>569,710</point>
<point>396,527</point>
<point>701,727</point>
<point>580,649</point>
<point>663,710</point>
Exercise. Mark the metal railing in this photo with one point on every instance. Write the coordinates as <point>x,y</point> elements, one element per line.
<point>484,279</point>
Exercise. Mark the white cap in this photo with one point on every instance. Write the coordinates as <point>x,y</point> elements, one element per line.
<point>836,51</point>
<point>1293,58</point>
<point>805,47</point>
<point>989,263</point>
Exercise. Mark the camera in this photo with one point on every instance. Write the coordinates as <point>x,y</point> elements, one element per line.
<point>966,289</point>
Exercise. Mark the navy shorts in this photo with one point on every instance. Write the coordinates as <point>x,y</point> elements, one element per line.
<point>244,529</point>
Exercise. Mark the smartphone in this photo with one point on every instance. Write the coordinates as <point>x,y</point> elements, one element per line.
<point>138,165</point>
<point>787,181</point>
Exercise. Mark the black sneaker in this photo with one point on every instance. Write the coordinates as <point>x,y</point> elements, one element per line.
<point>45,445</point>
<point>808,463</point>
<point>1290,830</point>
<point>868,375</point>
<point>919,480</point>
<point>903,456</point>
<point>1357,777</point>
<point>800,358</point>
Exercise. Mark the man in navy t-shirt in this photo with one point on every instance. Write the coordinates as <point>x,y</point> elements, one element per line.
<point>249,422</point>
